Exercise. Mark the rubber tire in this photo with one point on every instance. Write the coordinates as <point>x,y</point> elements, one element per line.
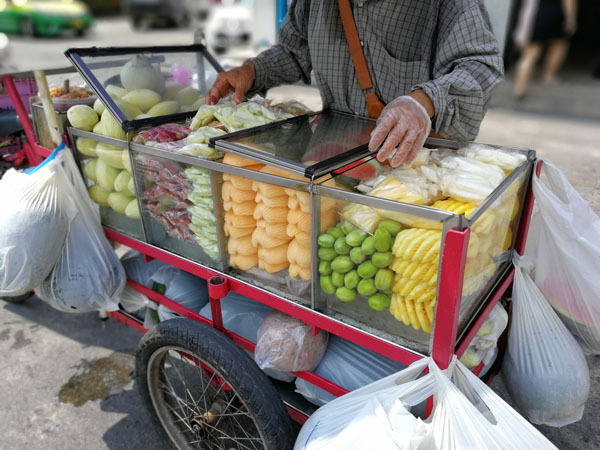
<point>18,299</point>
<point>252,386</point>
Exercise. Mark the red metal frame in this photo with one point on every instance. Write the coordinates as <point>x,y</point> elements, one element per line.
<point>34,152</point>
<point>452,273</point>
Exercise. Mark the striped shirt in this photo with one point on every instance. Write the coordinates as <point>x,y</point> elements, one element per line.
<point>444,47</point>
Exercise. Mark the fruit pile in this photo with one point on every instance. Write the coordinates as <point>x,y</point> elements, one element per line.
<point>352,263</point>
<point>110,170</point>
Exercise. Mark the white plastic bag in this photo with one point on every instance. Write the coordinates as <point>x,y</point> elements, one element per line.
<point>467,414</point>
<point>348,365</point>
<point>184,288</point>
<point>544,368</point>
<point>286,344</point>
<point>33,227</point>
<point>567,256</point>
<point>88,274</point>
<point>241,315</point>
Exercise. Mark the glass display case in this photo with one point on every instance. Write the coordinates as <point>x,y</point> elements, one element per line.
<point>143,87</point>
<point>106,167</point>
<point>310,146</point>
<point>301,209</point>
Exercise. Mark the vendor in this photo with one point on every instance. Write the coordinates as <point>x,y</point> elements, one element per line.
<point>431,63</point>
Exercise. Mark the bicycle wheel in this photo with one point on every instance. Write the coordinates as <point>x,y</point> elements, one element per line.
<point>204,392</point>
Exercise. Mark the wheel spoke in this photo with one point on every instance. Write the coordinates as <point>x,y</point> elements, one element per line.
<point>203,414</point>
<point>187,392</point>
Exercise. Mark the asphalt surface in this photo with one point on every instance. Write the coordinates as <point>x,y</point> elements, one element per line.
<point>52,361</point>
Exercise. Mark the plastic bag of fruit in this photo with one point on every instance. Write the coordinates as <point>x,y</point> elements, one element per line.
<point>544,369</point>
<point>286,344</point>
<point>88,274</point>
<point>568,255</point>
<point>33,226</point>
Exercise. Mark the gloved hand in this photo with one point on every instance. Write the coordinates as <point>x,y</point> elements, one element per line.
<point>238,80</point>
<point>406,124</point>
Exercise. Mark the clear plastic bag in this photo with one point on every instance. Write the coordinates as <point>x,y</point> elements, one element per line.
<point>241,315</point>
<point>348,365</point>
<point>88,274</point>
<point>182,287</point>
<point>138,270</point>
<point>466,414</point>
<point>33,227</point>
<point>567,256</point>
<point>544,368</point>
<point>286,344</point>
<point>483,346</point>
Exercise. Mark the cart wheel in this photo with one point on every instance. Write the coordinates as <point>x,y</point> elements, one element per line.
<point>205,392</point>
<point>18,299</point>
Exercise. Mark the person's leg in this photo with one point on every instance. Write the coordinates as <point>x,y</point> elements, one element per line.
<point>530,53</point>
<point>555,57</point>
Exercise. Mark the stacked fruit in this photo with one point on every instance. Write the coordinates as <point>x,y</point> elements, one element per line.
<point>201,212</point>
<point>270,236</point>
<point>299,228</point>
<point>109,167</point>
<point>239,204</point>
<point>417,254</point>
<point>352,263</point>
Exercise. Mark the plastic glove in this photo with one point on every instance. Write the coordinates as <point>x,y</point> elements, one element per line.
<point>406,124</point>
<point>239,81</point>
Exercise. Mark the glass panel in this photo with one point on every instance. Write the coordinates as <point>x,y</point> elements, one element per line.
<point>268,234</point>
<point>107,173</point>
<point>172,82</point>
<point>178,209</point>
<point>305,142</point>
<point>378,274</point>
<point>490,244</point>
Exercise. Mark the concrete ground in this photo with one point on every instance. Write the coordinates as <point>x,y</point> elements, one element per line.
<point>54,361</point>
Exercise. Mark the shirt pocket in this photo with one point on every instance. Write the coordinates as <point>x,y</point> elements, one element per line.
<point>394,77</point>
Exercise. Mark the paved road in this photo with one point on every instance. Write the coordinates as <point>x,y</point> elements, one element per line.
<point>48,356</point>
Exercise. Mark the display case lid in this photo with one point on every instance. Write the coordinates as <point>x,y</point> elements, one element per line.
<point>174,79</point>
<point>310,145</point>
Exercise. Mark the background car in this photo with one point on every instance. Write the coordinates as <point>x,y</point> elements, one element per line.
<point>44,17</point>
<point>179,13</point>
<point>229,25</point>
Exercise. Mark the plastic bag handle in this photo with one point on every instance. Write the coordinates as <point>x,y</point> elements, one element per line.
<point>558,183</point>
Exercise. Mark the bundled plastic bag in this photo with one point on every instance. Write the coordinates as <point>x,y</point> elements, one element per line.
<point>348,365</point>
<point>286,344</point>
<point>184,288</point>
<point>567,257</point>
<point>544,368</point>
<point>140,271</point>
<point>88,274</point>
<point>241,315</point>
<point>467,414</point>
<point>33,227</point>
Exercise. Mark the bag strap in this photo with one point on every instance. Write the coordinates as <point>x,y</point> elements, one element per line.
<point>374,105</point>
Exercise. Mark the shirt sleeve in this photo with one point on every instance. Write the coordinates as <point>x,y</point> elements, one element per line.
<point>466,68</point>
<point>289,60</point>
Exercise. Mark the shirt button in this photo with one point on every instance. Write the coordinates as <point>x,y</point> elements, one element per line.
<point>362,44</point>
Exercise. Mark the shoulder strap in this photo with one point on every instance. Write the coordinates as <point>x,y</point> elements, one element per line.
<point>374,105</point>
